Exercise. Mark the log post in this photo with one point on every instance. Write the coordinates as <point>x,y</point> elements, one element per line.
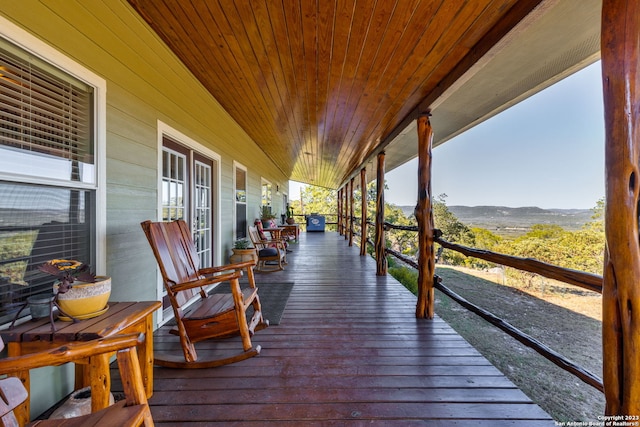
<point>363,212</point>
<point>381,244</point>
<point>620,50</point>
<point>339,218</point>
<point>424,216</point>
<point>346,211</point>
<point>345,202</point>
<point>351,184</point>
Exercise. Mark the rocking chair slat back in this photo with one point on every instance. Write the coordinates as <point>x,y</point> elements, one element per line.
<point>176,255</point>
<point>215,316</point>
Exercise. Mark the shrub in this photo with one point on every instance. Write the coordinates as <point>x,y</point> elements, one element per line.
<point>407,276</point>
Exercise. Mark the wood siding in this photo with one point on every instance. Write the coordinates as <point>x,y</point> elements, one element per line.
<point>145,83</point>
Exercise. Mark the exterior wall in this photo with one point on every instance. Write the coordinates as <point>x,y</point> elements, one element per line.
<point>146,83</point>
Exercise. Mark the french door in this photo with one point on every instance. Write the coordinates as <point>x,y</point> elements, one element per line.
<point>187,194</point>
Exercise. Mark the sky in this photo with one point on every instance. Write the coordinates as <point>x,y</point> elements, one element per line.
<point>546,151</point>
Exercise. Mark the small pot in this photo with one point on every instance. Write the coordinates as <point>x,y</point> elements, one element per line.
<point>40,305</point>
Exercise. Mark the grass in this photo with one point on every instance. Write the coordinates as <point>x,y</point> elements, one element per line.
<point>569,323</point>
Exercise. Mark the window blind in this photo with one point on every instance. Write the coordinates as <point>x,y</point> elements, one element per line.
<point>46,130</point>
<point>44,114</point>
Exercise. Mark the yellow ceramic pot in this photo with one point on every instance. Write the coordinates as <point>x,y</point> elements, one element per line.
<point>242,255</point>
<point>85,300</point>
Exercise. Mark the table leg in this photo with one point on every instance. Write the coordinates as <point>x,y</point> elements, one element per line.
<point>22,412</point>
<point>145,354</point>
<point>100,381</point>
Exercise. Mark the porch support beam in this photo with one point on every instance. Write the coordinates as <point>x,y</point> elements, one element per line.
<point>424,217</point>
<point>343,207</point>
<point>620,49</point>
<point>339,219</point>
<point>351,184</point>
<point>363,212</point>
<point>381,256</point>
<point>346,211</point>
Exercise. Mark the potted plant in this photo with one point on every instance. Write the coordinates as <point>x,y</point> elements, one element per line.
<point>79,294</point>
<point>290,219</point>
<point>242,251</point>
<point>267,217</point>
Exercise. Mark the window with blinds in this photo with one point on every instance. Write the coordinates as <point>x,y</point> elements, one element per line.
<point>47,174</point>
<point>45,121</point>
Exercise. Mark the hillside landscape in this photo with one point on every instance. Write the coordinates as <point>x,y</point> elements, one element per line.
<point>513,221</point>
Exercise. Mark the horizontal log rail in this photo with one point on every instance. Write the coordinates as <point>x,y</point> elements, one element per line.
<point>525,339</point>
<point>589,281</point>
<point>592,282</point>
<point>574,277</point>
<point>407,260</point>
<point>390,226</point>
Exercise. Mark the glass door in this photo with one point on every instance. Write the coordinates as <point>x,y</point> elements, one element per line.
<point>187,194</point>
<point>202,230</point>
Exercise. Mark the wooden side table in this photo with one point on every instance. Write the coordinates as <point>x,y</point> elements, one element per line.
<point>121,318</point>
<point>292,230</point>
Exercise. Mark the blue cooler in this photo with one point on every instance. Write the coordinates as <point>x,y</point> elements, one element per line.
<point>315,222</point>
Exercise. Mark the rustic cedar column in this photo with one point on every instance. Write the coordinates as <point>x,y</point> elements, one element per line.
<point>346,211</point>
<point>363,212</point>
<point>620,51</point>
<point>424,215</point>
<point>351,211</point>
<point>381,244</point>
<point>339,217</point>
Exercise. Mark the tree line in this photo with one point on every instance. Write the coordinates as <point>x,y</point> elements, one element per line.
<point>580,250</point>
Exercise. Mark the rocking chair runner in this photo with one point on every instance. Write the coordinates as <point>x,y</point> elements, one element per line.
<point>132,411</point>
<point>213,316</point>
<point>268,250</point>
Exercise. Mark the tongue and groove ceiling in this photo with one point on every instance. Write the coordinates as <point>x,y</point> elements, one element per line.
<point>322,86</point>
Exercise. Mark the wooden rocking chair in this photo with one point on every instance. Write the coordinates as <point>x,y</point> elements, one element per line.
<point>269,251</point>
<point>132,411</point>
<point>213,316</point>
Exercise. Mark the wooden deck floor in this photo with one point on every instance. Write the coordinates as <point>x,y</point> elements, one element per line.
<point>348,351</point>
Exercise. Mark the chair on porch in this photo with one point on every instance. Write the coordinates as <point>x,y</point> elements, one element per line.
<point>131,411</point>
<point>213,316</point>
<point>272,253</point>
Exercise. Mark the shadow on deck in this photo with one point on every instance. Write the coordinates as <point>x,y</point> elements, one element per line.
<point>348,351</point>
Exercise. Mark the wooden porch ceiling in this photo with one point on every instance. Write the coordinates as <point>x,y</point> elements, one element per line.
<point>322,85</point>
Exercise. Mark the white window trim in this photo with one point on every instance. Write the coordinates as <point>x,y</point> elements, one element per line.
<point>166,130</point>
<point>238,165</point>
<point>38,48</point>
<point>264,181</point>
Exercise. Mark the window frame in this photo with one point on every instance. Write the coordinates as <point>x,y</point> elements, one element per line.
<point>164,130</point>
<point>239,166</point>
<point>48,54</point>
<point>266,194</point>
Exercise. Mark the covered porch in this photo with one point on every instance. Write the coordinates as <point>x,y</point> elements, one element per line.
<point>348,350</point>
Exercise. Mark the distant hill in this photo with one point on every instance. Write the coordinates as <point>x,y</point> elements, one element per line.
<point>514,221</point>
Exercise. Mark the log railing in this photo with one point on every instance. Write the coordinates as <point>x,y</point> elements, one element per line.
<point>581,279</point>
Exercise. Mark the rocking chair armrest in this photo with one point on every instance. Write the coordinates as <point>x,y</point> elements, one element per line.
<point>271,241</point>
<point>69,353</point>
<point>227,267</point>
<point>205,281</point>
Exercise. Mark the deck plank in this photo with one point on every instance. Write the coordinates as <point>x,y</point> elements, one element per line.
<point>348,351</point>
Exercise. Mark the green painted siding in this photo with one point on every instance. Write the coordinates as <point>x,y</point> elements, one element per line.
<point>145,83</point>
